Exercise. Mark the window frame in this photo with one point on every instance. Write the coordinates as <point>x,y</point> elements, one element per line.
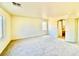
<point>44,27</point>
<point>2,27</point>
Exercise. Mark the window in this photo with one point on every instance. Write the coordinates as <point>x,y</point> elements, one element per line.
<point>44,25</point>
<point>1,27</point>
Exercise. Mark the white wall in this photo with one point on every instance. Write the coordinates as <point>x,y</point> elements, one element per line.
<point>70,30</point>
<point>78,31</point>
<point>52,27</point>
<point>24,27</point>
<point>7,22</point>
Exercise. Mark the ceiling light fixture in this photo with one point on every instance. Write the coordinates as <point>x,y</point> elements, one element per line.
<point>16,4</point>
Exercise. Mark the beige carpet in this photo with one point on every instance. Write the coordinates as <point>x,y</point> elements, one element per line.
<point>40,46</point>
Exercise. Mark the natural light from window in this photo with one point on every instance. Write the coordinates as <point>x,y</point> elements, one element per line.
<point>1,27</point>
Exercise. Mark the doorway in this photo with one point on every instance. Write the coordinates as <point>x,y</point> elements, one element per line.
<point>61,28</point>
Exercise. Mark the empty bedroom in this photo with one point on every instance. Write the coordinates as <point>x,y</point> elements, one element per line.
<point>39,28</point>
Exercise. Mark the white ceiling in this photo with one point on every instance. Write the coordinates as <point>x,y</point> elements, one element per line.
<point>40,9</point>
